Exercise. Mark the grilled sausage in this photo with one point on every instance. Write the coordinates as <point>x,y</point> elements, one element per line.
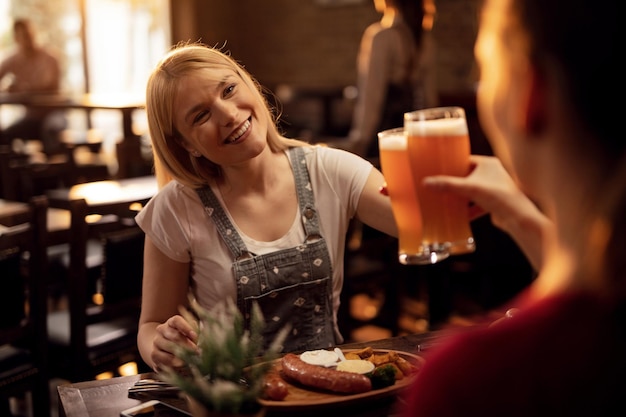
<point>324,378</point>
<point>275,388</point>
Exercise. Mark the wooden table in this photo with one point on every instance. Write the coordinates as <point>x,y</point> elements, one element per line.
<point>96,193</point>
<point>8,207</point>
<point>58,220</point>
<point>107,398</point>
<point>105,192</point>
<point>130,159</point>
<point>127,105</point>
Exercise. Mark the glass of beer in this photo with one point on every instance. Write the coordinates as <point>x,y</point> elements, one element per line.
<point>438,144</point>
<point>395,165</point>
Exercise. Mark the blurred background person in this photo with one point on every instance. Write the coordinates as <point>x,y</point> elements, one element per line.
<point>395,71</point>
<point>395,74</point>
<point>30,69</point>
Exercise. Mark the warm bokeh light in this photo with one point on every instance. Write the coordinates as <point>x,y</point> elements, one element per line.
<point>97,192</point>
<point>364,307</point>
<point>136,206</point>
<point>104,375</point>
<point>110,191</point>
<point>93,218</point>
<point>429,18</point>
<point>97,299</point>
<point>129,368</point>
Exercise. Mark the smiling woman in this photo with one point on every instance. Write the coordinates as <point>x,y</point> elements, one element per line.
<point>249,215</point>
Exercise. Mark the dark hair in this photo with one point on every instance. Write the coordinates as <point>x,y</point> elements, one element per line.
<point>584,39</point>
<point>413,12</point>
<point>23,25</point>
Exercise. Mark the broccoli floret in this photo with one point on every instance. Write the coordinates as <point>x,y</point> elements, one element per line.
<point>383,376</point>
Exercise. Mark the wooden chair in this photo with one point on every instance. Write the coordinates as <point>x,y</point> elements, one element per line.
<point>94,336</point>
<point>23,334</point>
<point>23,178</point>
<point>88,160</point>
<point>35,178</point>
<point>9,181</point>
<point>130,160</point>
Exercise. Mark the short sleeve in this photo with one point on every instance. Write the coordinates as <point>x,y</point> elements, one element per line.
<point>165,220</point>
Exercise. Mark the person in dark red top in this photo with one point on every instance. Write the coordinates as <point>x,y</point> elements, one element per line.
<point>548,101</point>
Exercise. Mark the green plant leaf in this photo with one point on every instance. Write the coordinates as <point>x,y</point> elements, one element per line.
<point>226,372</point>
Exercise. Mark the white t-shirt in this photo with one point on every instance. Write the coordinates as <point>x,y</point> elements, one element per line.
<point>176,222</point>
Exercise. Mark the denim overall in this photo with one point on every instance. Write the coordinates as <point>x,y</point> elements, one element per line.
<point>292,286</point>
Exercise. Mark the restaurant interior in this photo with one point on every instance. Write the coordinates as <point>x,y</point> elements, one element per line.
<point>304,52</point>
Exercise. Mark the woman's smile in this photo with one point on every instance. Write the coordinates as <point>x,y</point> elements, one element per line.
<point>240,133</point>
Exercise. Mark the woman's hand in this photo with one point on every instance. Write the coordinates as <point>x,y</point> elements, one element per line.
<point>489,186</point>
<point>176,331</point>
<point>493,191</point>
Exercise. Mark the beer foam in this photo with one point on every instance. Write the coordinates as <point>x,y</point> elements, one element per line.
<point>438,127</point>
<point>393,141</point>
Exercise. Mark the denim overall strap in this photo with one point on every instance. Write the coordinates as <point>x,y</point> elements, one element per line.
<point>306,200</point>
<point>215,211</point>
<point>293,286</point>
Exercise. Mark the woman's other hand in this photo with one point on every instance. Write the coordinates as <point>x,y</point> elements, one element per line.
<point>176,331</point>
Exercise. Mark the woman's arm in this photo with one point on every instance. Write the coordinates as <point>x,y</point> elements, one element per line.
<point>165,290</point>
<point>374,209</point>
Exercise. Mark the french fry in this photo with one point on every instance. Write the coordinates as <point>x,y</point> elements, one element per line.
<point>401,366</point>
<point>405,366</point>
<point>364,353</point>
<point>351,355</point>
<point>381,359</point>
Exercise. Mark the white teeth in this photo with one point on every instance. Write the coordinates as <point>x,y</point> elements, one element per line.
<point>232,138</point>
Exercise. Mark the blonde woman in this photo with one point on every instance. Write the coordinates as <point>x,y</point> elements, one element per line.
<point>243,213</point>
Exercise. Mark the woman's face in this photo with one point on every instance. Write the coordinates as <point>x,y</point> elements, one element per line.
<point>495,77</point>
<point>220,117</point>
<point>504,88</point>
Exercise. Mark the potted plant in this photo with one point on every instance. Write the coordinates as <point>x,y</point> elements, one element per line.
<point>225,374</point>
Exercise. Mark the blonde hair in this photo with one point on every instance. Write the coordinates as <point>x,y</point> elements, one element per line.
<point>172,160</point>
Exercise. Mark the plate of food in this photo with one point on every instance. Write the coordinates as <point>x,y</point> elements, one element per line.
<point>297,382</point>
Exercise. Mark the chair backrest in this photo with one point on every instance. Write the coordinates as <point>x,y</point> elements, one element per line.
<point>23,331</point>
<point>130,160</point>
<point>23,178</point>
<point>36,178</point>
<point>9,180</point>
<point>119,284</point>
<point>122,270</point>
<point>101,336</point>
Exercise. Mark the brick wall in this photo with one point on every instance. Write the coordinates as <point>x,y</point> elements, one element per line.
<point>310,43</point>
